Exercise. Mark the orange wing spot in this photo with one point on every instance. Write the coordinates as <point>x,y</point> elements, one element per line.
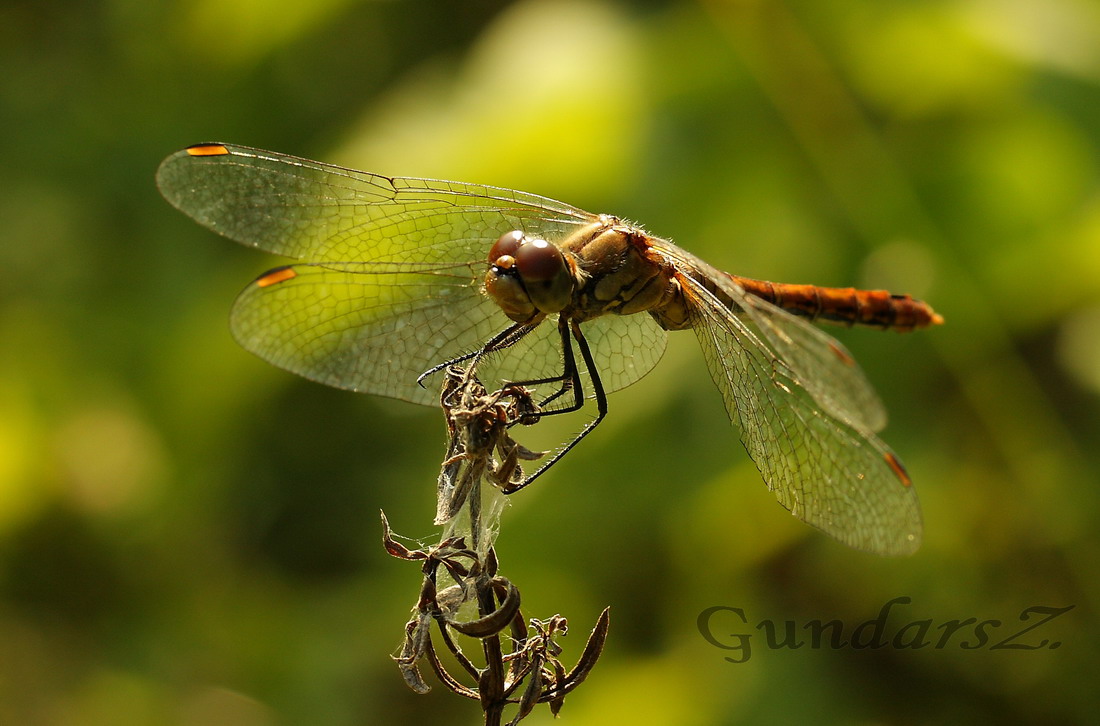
<point>839,352</point>
<point>207,150</point>
<point>274,277</point>
<point>899,470</point>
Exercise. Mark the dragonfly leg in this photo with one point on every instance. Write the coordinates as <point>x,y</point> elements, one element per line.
<point>504,339</point>
<point>570,380</point>
<point>597,390</point>
<point>570,377</point>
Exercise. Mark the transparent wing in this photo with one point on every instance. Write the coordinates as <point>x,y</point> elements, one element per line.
<point>315,212</point>
<point>822,366</point>
<point>376,328</point>
<point>366,328</point>
<point>829,471</point>
<point>825,367</point>
<point>624,347</point>
<point>392,280</point>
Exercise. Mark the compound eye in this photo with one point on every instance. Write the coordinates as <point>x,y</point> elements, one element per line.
<point>539,261</point>
<point>508,243</point>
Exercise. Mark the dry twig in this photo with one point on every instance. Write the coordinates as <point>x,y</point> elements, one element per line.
<point>522,666</point>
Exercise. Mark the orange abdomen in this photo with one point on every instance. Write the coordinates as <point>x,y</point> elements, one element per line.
<point>845,305</point>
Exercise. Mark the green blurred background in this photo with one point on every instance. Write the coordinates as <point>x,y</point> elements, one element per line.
<point>189,536</point>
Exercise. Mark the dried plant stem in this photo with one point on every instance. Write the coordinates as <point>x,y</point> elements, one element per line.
<point>522,667</point>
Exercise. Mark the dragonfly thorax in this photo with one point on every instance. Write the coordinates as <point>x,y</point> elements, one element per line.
<point>619,273</point>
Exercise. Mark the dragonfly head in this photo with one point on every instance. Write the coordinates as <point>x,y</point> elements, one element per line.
<point>528,277</point>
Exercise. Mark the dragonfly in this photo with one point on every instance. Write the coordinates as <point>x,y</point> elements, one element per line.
<point>397,278</point>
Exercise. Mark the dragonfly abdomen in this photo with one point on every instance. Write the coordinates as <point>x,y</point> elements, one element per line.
<point>845,305</point>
